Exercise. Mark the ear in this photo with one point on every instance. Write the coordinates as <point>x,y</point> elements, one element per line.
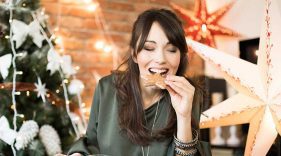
<point>133,56</point>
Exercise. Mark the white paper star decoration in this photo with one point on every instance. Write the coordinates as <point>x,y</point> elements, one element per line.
<point>259,99</point>
<point>40,88</point>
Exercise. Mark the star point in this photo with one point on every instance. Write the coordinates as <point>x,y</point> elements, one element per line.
<point>203,26</point>
<point>258,101</point>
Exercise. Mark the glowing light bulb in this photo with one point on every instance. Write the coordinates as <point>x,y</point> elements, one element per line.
<point>99,44</point>
<point>204,28</point>
<point>87,1</point>
<point>58,40</point>
<point>77,68</point>
<point>92,7</point>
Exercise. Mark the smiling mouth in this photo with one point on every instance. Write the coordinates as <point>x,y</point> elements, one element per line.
<point>162,71</point>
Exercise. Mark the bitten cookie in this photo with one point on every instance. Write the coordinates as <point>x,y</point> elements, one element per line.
<point>154,80</point>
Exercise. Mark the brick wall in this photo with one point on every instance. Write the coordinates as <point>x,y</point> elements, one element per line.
<point>80,31</point>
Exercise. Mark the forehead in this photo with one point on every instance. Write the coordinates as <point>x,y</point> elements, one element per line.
<point>157,34</point>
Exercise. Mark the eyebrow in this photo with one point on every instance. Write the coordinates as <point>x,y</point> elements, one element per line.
<point>156,43</point>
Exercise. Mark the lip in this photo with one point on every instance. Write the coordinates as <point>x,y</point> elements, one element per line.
<point>161,71</point>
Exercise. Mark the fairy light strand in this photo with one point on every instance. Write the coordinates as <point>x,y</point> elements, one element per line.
<point>14,103</point>
<point>62,77</point>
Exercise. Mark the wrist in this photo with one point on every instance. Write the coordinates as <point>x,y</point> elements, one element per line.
<point>184,129</point>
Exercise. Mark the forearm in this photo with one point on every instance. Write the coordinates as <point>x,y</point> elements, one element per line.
<point>184,130</point>
<point>186,138</point>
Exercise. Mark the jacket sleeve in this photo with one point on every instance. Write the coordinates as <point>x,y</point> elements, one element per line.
<point>88,144</point>
<point>202,146</point>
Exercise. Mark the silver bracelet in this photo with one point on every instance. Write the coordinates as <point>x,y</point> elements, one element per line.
<point>189,145</point>
<point>189,152</point>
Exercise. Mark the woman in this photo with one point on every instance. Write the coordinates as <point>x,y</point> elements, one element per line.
<point>131,118</point>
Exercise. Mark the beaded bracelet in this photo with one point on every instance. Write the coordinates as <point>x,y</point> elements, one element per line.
<point>181,152</point>
<point>189,145</point>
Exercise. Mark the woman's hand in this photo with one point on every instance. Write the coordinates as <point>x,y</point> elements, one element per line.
<point>181,92</point>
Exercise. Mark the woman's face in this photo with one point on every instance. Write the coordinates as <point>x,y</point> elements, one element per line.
<point>158,55</point>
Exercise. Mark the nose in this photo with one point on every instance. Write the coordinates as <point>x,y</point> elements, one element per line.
<point>160,57</point>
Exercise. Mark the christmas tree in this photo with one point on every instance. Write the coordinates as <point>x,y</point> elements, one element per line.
<point>35,106</point>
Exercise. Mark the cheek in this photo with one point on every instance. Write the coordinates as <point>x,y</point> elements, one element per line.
<point>142,60</point>
<point>175,61</point>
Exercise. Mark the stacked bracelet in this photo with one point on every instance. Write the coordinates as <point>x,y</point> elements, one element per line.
<point>189,152</point>
<point>186,149</point>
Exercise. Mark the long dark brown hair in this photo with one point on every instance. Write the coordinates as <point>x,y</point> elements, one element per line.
<point>131,115</point>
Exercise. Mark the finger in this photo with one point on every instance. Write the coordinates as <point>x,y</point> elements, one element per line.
<point>171,91</point>
<point>181,85</point>
<point>177,89</point>
<point>179,79</point>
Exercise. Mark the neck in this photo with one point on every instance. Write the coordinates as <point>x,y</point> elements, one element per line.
<point>149,95</point>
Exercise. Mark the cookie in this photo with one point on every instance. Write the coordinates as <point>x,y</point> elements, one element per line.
<point>154,80</point>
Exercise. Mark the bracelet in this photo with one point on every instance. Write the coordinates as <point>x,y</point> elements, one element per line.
<point>189,152</point>
<point>189,145</point>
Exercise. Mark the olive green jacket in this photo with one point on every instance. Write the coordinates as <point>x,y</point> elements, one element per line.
<point>103,133</point>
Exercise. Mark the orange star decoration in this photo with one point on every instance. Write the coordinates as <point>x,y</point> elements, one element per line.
<point>259,99</point>
<point>202,26</point>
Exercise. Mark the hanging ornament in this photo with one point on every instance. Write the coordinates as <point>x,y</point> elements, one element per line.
<point>75,87</point>
<point>5,63</point>
<point>21,31</point>
<point>26,134</point>
<point>50,139</point>
<point>203,26</point>
<point>66,66</point>
<point>40,88</point>
<point>259,99</point>
<point>54,61</point>
<point>6,134</point>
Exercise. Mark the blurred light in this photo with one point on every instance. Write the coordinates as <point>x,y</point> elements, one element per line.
<point>48,95</point>
<point>204,28</point>
<point>107,48</point>
<point>21,115</point>
<point>20,54</point>
<point>92,7</point>
<point>77,68</point>
<point>67,102</point>
<point>99,44</point>
<point>87,1</point>
<point>56,29</point>
<point>2,87</point>
<point>53,102</point>
<point>65,80</point>
<point>257,52</point>
<point>7,37</point>
<point>12,106</point>
<point>58,40</point>
<point>27,93</point>
<point>57,91</point>
<point>19,72</point>
<point>84,110</point>
<point>17,93</point>
<point>83,104</point>
<point>23,4</point>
